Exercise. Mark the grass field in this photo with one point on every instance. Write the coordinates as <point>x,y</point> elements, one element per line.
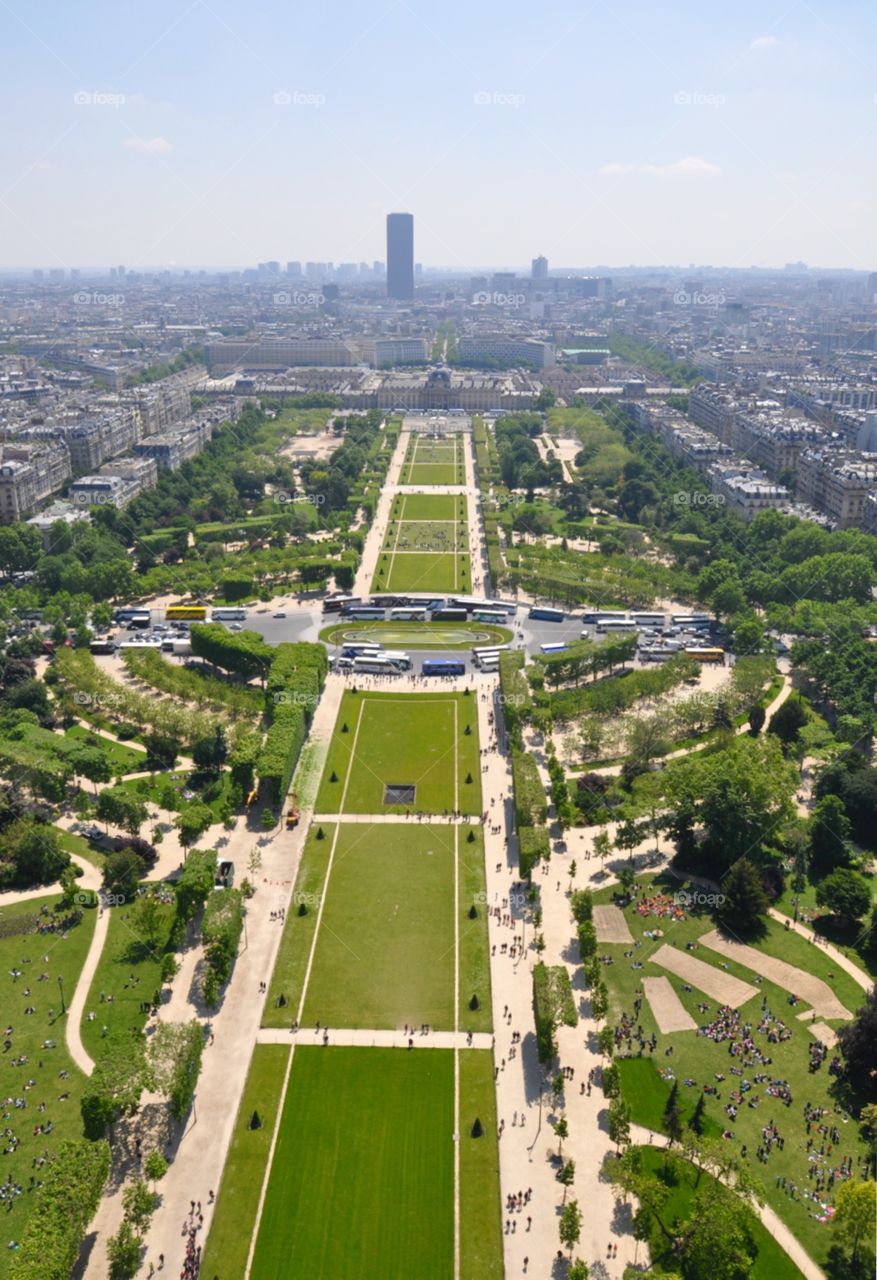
<point>59,955</point>
<point>426,536</point>
<point>126,955</point>
<point>480,1215</point>
<point>429,506</point>
<point>121,758</point>
<point>417,739</point>
<point>362,1184</point>
<point>771,1262</point>
<point>419,635</point>
<point>238,1200</point>
<point>423,571</point>
<point>700,1059</point>
<point>430,462</point>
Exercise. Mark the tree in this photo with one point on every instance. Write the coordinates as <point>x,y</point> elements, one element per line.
<point>192,822</point>
<point>788,720</point>
<point>570,1225</point>
<point>744,903</point>
<point>91,763</point>
<point>566,1176</point>
<point>139,1204</point>
<point>123,1252</point>
<point>211,751</point>
<point>114,1087</point>
<point>148,918</point>
<point>175,1059</point>
<point>122,810</point>
<point>606,1041</point>
<point>602,846</point>
<point>716,1241</point>
<point>155,1166</point>
<point>122,872</point>
<point>33,854</point>
<point>672,1118</point>
<point>65,1204</point>
<point>195,882</point>
<point>619,1122</point>
<point>829,836</point>
<point>846,894</point>
<point>161,750</point>
<point>757,718</point>
<point>858,1045</point>
<point>853,1221</point>
<point>561,1131</point>
<point>578,1270</point>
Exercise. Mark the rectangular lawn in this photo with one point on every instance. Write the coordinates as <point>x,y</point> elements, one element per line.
<point>416,739</point>
<point>423,571</point>
<point>429,506</point>
<point>362,1184</point>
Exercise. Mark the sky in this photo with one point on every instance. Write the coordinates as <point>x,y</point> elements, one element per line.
<point>188,133</point>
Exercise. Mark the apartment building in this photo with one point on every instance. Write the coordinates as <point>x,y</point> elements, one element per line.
<point>837,483</point>
<point>280,353</point>
<point>172,448</point>
<point>115,484</point>
<point>507,347</point>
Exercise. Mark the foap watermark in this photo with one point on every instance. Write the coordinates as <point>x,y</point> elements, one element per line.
<point>510,500</point>
<point>87,299</point>
<point>299,298</point>
<point>86,898</point>
<point>692,898</point>
<point>297,98</point>
<point>107,701</point>
<point>92,499</point>
<point>310,901</point>
<point>489,298</point>
<point>682,298</point>
<point>295,698</point>
<point>495,98</point>
<point>694,98</point>
<point>510,699</point>
<point>96,98</point>
<point>284,499</point>
<point>683,499</point>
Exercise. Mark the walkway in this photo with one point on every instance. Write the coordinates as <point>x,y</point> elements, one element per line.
<point>356,1036</point>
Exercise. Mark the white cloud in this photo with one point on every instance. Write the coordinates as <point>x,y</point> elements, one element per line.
<point>151,146</point>
<point>764,42</point>
<point>687,167</point>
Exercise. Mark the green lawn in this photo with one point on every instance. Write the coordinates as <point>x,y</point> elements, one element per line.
<point>59,955</point>
<point>426,536</point>
<point>429,506</point>
<point>126,954</point>
<point>362,1184</point>
<point>122,758</point>
<point>422,571</point>
<point>480,1205</point>
<point>419,635</point>
<point>699,1058</point>
<point>770,1263</point>
<point>416,739</point>
<point>238,1199</point>
<point>429,473</point>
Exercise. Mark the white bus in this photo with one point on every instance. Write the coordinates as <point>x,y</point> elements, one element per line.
<point>489,664</point>
<point>617,624</point>
<point>408,615</point>
<point>377,663</point>
<point>492,651</point>
<point>227,614</point>
<point>558,647</point>
<point>402,661</point>
<point>648,619</point>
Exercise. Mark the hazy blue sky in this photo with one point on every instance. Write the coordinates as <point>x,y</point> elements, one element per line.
<point>595,133</point>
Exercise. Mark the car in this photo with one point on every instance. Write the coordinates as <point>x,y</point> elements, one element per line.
<point>93,834</point>
<point>279,614</point>
<point>235,626</point>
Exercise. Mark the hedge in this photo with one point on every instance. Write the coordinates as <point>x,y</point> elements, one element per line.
<point>65,1204</point>
<point>531,806</point>
<point>553,1004</point>
<point>533,845</point>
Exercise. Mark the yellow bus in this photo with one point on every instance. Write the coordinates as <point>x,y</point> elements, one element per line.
<point>185,612</point>
<point>706,655</point>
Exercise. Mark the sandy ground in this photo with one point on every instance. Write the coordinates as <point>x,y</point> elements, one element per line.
<point>611,925</point>
<point>721,986</point>
<point>670,1013</point>
<point>818,994</point>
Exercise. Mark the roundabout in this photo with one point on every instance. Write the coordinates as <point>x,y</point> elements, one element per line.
<point>417,635</point>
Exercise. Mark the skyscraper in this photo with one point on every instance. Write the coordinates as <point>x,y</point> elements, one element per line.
<point>400,255</point>
<point>539,268</point>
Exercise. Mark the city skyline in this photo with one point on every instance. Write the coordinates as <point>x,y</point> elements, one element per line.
<point>164,138</point>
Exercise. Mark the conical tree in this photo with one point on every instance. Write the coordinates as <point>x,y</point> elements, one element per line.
<point>744,904</point>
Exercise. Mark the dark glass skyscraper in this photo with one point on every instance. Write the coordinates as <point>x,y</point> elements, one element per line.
<point>400,255</point>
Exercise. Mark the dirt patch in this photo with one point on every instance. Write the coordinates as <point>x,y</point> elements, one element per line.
<point>824,1033</point>
<point>805,986</point>
<point>669,1011</point>
<point>611,925</point>
<point>722,986</point>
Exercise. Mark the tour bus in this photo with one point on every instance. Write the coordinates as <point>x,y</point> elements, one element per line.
<point>541,614</point>
<point>400,659</point>
<point>496,618</point>
<point>617,624</point>
<point>488,651</point>
<point>336,604</point>
<point>377,663</point>
<point>705,654</point>
<point>448,615</point>
<point>408,615</point>
<point>648,619</point>
<point>356,650</point>
<point>603,615</point>
<point>119,615</point>
<point>103,644</point>
<point>443,667</point>
<point>489,665</point>
<point>224,614</point>
<point>365,613</point>
<point>696,620</point>
<point>139,619</point>
<point>187,612</point>
<point>140,644</point>
<point>471,603</point>
<point>552,648</point>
